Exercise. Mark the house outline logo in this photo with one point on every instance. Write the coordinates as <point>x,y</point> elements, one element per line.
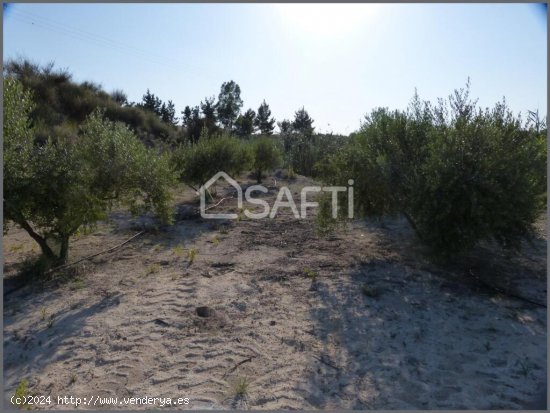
<point>209,183</point>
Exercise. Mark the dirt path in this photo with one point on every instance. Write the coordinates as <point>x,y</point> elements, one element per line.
<point>377,328</point>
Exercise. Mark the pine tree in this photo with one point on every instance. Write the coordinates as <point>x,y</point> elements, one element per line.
<point>285,126</point>
<point>208,109</point>
<point>192,123</point>
<point>152,103</point>
<point>186,115</point>
<point>244,125</point>
<point>263,121</point>
<point>168,113</point>
<point>303,123</point>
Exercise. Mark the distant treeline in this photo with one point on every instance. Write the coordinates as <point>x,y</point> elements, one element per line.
<point>61,104</point>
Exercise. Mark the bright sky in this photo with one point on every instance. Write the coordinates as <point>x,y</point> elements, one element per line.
<point>338,61</point>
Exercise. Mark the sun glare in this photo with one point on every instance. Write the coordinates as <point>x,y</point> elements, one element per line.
<point>325,19</point>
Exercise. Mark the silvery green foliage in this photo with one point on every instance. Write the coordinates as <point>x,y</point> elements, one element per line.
<point>458,173</point>
<point>54,188</point>
<point>197,163</point>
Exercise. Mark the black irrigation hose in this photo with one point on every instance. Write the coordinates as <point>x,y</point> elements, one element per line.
<point>94,255</point>
<point>23,284</point>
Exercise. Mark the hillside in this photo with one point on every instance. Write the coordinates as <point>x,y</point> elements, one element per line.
<point>61,104</point>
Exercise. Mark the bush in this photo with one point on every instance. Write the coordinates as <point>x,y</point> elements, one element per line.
<point>266,156</point>
<point>305,153</point>
<point>197,163</point>
<point>458,174</point>
<point>53,189</point>
<point>325,223</point>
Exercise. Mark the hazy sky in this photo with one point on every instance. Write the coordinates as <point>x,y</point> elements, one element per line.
<point>338,61</point>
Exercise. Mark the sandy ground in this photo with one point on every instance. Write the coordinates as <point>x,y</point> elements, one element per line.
<point>356,320</point>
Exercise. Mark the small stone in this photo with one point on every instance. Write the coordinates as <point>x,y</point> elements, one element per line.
<point>205,311</point>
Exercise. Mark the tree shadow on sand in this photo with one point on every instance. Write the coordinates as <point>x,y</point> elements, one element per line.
<point>398,335</point>
<point>41,342</point>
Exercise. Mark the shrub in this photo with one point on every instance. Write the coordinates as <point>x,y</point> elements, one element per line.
<point>305,153</point>
<point>192,255</point>
<point>21,395</point>
<point>325,223</point>
<point>119,97</point>
<point>266,156</point>
<point>241,387</point>
<point>459,174</point>
<point>197,163</point>
<point>311,274</point>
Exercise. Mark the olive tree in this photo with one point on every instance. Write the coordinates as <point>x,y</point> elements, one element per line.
<point>458,173</point>
<point>53,189</point>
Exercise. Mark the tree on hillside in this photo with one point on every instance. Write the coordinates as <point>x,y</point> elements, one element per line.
<point>285,126</point>
<point>52,190</point>
<point>285,132</point>
<point>208,109</point>
<point>264,122</point>
<point>303,123</point>
<point>192,123</point>
<point>151,102</point>
<point>229,104</point>
<point>186,115</point>
<point>244,125</point>
<point>168,113</point>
